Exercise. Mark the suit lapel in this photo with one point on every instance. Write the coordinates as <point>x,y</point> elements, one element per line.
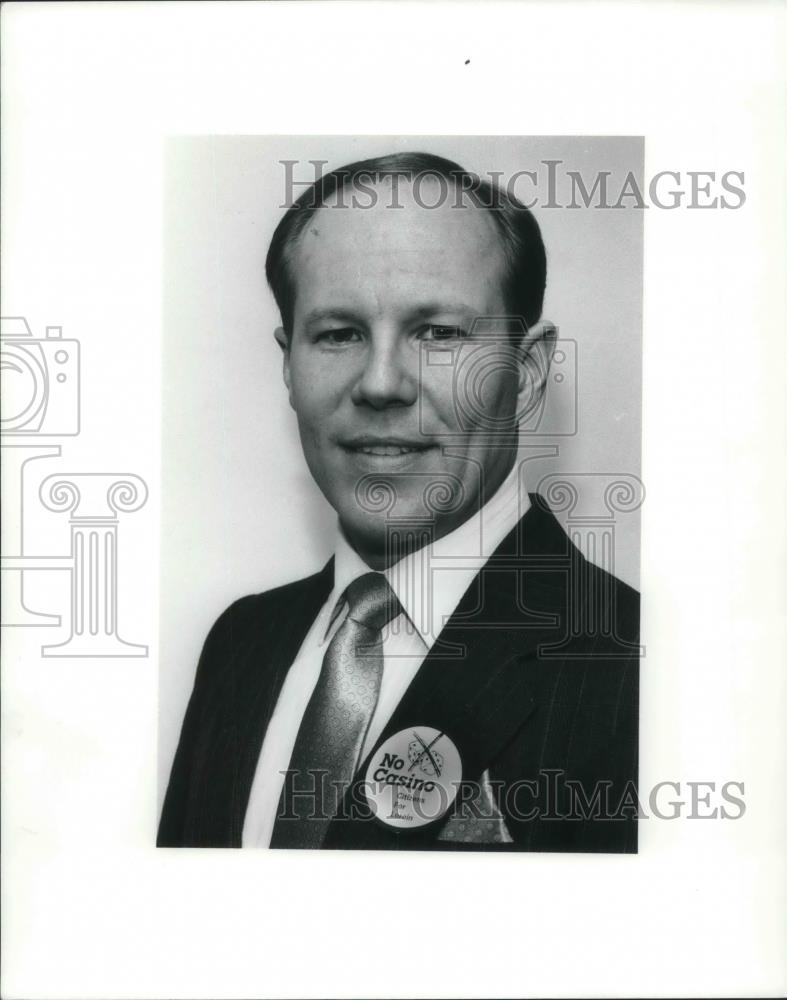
<point>297,618</point>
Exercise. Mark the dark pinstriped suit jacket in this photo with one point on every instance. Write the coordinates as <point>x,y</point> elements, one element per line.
<point>534,678</point>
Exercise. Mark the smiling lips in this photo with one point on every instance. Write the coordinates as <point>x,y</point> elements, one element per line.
<point>384,447</point>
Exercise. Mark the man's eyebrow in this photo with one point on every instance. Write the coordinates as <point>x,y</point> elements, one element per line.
<point>422,311</point>
<point>438,308</point>
<point>338,314</point>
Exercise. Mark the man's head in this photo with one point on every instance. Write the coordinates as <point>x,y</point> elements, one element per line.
<point>386,274</point>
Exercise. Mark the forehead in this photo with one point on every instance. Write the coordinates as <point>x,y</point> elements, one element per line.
<point>374,256</point>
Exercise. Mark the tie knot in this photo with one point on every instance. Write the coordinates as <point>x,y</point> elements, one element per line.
<point>371,601</point>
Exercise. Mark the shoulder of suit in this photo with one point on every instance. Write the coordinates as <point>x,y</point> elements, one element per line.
<point>625,600</point>
<point>547,535</point>
<point>610,596</point>
<point>249,609</point>
<point>623,591</point>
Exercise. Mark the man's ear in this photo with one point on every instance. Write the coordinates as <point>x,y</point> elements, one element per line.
<point>284,343</point>
<point>536,350</point>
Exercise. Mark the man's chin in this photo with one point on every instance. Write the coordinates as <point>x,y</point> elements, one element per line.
<point>370,537</point>
<point>384,538</point>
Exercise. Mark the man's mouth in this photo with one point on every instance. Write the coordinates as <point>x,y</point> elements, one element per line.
<point>385,447</point>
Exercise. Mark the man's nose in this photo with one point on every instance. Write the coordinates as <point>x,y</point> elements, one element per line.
<point>387,378</point>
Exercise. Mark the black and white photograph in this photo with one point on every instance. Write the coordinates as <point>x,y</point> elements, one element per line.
<point>461,668</point>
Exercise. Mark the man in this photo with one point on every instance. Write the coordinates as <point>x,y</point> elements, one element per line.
<point>458,676</point>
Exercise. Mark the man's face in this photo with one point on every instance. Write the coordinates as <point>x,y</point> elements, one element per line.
<point>388,431</point>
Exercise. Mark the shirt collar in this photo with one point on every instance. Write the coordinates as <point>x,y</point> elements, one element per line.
<point>431,581</point>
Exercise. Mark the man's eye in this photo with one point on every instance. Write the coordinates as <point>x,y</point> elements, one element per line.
<point>346,335</point>
<point>437,332</point>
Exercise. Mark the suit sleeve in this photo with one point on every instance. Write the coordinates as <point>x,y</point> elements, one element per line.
<point>178,802</point>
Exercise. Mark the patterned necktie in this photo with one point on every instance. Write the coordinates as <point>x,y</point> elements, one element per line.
<point>334,725</point>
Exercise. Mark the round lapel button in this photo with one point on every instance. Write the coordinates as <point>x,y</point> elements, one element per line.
<point>413,778</point>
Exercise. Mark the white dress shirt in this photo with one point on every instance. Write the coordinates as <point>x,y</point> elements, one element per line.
<point>429,584</point>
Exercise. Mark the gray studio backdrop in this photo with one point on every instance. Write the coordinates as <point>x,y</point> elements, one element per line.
<point>240,512</point>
